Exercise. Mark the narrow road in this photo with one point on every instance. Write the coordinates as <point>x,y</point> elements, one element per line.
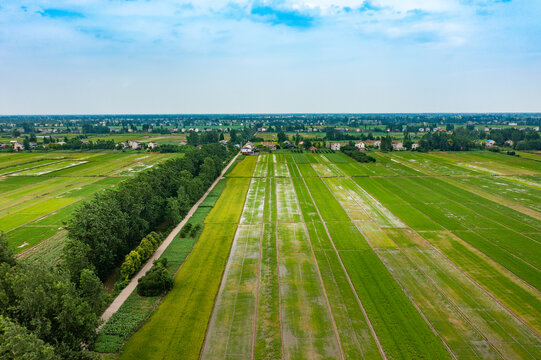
<point>124,294</point>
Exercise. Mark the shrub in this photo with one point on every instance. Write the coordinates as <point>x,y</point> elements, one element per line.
<point>156,281</point>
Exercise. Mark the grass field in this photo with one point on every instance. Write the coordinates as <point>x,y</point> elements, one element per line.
<point>39,191</point>
<point>416,256</point>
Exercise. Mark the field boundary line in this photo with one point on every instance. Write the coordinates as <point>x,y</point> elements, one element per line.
<point>373,332</point>
<point>128,290</point>
<point>335,329</point>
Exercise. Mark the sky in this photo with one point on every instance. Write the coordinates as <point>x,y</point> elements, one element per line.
<point>277,56</point>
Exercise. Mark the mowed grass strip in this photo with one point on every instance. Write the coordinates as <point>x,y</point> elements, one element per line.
<point>306,323</point>
<point>229,206</point>
<point>177,328</point>
<point>261,166</point>
<point>245,168</point>
<point>230,331</point>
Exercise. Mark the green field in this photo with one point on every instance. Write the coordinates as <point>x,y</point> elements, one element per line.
<point>39,191</point>
<point>315,256</point>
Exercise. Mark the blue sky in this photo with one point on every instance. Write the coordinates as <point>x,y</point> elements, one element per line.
<point>213,56</point>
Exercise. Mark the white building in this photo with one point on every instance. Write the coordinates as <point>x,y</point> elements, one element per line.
<point>414,146</point>
<point>360,145</point>
<point>490,143</point>
<point>335,146</point>
<point>152,145</point>
<point>134,144</point>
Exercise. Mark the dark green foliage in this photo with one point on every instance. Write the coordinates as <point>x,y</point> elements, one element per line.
<point>6,255</point>
<point>156,281</point>
<point>136,258</point>
<point>17,343</point>
<point>49,305</point>
<point>185,230</point>
<point>194,231</point>
<point>357,155</point>
<point>114,222</point>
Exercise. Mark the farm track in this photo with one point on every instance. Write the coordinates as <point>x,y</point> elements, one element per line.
<point>121,298</point>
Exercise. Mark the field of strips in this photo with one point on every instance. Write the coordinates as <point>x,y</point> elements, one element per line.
<point>39,191</point>
<point>416,256</point>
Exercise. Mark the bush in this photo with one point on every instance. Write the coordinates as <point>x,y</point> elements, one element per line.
<point>185,230</point>
<point>156,281</point>
<point>357,155</point>
<point>136,258</point>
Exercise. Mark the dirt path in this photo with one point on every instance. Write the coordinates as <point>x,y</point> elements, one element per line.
<point>124,294</point>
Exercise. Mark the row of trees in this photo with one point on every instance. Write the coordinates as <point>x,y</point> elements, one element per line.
<point>104,230</point>
<point>136,258</point>
<point>357,155</point>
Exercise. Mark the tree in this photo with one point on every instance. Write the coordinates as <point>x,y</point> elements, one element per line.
<point>17,343</point>
<point>173,211</point>
<point>386,143</point>
<point>6,255</point>
<point>156,281</point>
<point>26,143</point>
<point>282,137</point>
<point>92,289</point>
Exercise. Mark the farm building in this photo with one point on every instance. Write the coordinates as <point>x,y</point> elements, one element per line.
<point>490,143</point>
<point>398,146</point>
<point>152,145</point>
<point>17,145</point>
<point>335,146</point>
<point>247,149</point>
<point>360,145</point>
<point>134,144</point>
<point>509,143</point>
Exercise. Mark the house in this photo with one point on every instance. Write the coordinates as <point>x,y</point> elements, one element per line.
<point>123,145</point>
<point>61,143</point>
<point>312,148</point>
<point>85,141</point>
<point>17,145</point>
<point>377,144</point>
<point>398,146</point>
<point>247,149</point>
<point>490,143</point>
<point>335,146</point>
<point>132,144</point>
<point>509,143</point>
<point>33,144</point>
<point>182,143</point>
<point>487,129</point>
<point>152,145</point>
<point>360,145</point>
<point>414,146</point>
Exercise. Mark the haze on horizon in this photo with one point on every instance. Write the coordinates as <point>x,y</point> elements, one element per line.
<point>278,56</point>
